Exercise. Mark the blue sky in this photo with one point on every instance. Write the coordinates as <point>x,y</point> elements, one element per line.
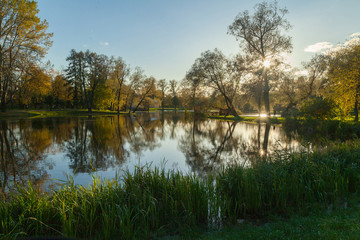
<point>164,37</point>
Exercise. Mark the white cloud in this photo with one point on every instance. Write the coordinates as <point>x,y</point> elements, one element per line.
<point>318,47</point>
<point>354,35</point>
<point>84,45</point>
<point>104,44</point>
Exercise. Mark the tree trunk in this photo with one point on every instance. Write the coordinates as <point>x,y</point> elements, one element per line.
<point>118,102</point>
<point>3,103</point>
<point>118,98</point>
<point>89,104</point>
<point>230,106</point>
<point>356,110</point>
<point>266,94</point>
<point>137,106</point>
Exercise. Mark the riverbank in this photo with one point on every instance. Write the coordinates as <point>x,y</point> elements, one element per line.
<point>21,114</point>
<point>154,203</point>
<point>274,120</point>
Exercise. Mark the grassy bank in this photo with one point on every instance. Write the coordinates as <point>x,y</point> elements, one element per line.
<point>149,203</point>
<point>20,114</point>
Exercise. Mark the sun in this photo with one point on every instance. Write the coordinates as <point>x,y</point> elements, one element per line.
<point>266,63</point>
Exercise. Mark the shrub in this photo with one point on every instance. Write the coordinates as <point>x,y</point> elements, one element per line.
<point>318,108</point>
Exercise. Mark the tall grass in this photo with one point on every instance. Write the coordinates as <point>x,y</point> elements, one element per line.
<point>288,182</point>
<point>152,202</point>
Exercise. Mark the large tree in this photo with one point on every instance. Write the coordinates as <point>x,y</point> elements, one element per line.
<point>147,88</point>
<point>262,38</point>
<point>60,91</point>
<point>136,78</point>
<point>87,73</point>
<point>34,86</point>
<point>344,77</point>
<point>219,73</point>
<point>295,87</point>
<point>193,81</point>
<point>22,36</point>
<point>120,72</point>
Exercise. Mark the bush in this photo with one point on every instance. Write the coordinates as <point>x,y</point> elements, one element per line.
<point>318,108</point>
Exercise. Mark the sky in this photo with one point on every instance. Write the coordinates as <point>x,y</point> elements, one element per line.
<point>164,37</point>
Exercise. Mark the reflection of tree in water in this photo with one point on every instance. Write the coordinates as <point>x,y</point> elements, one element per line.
<point>102,143</point>
<point>208,147</point>
<point>96,144</point>
<point>77,147</point>
<point>22,150</point>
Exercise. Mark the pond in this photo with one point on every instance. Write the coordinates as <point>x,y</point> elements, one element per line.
<point>47,151</point>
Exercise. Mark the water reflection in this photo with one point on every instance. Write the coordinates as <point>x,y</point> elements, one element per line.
<point>39,150</point>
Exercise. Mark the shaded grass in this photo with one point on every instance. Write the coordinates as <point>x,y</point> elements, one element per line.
<point>16,114</point>
<point>339,223</point>
<point>151,203</point>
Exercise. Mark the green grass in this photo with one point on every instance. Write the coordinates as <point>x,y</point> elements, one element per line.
<point>16,114</point>
<point>78,112</point>
<point>151,203</point>
<point>20,114</point>
<point>339,223</point>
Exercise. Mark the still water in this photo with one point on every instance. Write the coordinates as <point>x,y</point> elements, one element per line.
<point>46,151</point>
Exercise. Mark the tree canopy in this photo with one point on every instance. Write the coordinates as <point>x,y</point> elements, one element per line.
<point>262,39</point>
<point>23,39</point>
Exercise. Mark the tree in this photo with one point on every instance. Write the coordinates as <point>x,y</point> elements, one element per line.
<point>135,82</point>
<point>76,77</point>
<point>318,108</point>
<point>86,73</point>
<point>98,74</point>
<point>60,91</point>
<point>219,73</point>
<point>344,77</point>
<point>252,90</point>
<point>34,87</point>
<point>162,84</point>
<point>22,36</point>
<point>194,81</point>
<point>148,87</point>
<point>294,89</point>
<point>119,74</point>
<point>262,38</point>
<point>173,90</point>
